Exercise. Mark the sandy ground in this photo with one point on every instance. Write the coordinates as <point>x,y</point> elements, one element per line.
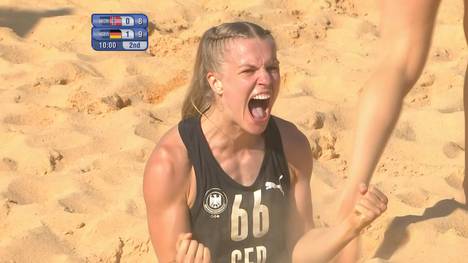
<point>77,126</point>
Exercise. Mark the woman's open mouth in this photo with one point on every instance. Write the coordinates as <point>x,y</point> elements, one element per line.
<point>259,107</point>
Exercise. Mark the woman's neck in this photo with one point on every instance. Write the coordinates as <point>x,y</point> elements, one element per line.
<point>227,135</point>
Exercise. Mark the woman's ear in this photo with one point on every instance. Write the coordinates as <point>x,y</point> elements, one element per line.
<point>215,83</point>
<point>218,87</point>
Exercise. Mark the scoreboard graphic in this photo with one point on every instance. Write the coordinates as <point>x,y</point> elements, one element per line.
<point>119,32</point>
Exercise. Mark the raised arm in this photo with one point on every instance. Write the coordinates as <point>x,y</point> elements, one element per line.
<point>309,244</point>
<point>320,245</point>
<point>166,186</point>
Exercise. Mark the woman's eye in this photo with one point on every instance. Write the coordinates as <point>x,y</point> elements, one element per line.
<point>247,71</point>
<point>274,68</point>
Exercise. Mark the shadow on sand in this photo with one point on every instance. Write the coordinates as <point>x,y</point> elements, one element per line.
<point>396,234</point>
<point>23,21</point>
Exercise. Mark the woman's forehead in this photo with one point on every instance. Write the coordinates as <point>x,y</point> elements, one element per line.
<point>250,51</point>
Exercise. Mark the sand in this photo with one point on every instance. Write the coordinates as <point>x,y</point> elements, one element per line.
<point>77,126</point>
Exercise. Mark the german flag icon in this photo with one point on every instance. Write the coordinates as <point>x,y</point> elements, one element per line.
<point>115,34</point>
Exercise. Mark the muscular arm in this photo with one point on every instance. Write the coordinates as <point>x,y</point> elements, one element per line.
<point>309,244</point>
<point>298,154</point>
<point>165,187</point>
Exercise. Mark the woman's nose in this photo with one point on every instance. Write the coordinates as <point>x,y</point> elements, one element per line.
<point>264,77</point>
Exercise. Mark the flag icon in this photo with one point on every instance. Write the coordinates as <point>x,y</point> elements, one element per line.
<point>115,21</point>
<point>115,34</point>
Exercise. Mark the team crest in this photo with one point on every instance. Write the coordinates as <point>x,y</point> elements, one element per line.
<point>215,202</point>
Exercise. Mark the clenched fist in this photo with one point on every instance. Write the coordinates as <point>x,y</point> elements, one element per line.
<point>191,251</point>
<point>370,204</point>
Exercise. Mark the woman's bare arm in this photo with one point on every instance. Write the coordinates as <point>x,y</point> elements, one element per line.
<point>165,187</point>
<point>311,244</point>
<point>299,156</point>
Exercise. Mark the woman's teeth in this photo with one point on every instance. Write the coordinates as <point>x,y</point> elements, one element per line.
<point>261,97</point>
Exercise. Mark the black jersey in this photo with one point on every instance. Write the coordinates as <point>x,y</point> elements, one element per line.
<point>239,223</point>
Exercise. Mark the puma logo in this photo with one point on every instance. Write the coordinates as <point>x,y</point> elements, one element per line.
<point>271,185</point>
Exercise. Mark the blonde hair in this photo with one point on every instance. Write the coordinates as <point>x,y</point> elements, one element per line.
<point>209,57</point>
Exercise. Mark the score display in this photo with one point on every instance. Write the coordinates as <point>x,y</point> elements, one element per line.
<point>119,32</point>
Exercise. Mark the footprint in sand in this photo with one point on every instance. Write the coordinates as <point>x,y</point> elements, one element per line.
<point>16,54</point>
<point>133,209</point>
<point>448,100</point>
<point>8,164</point>
<point>65,72</point>
<point>416,198</point>
<point>27,190</point>
<point>27,119</point>
<point>63,138</point>
<point>455,221</point>
<point>366,29</point>
<point>405,132</point>
<point>38,160</point>
<point>47,247</point>
<point>455,179</point>
<point>37,116</point>
<point>88,201</point>
<point>23,190</point>
<point>83,101</point>
<point>152,125</point>
<point>452,150</point>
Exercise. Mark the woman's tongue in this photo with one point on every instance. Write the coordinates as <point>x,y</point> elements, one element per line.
<point>257,110</point>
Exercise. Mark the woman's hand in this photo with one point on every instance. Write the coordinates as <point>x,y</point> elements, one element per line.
<point>191,251</point>
<point>370,205</point>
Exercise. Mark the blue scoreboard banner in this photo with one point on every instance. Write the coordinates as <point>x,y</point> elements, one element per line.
<point>119,32</point>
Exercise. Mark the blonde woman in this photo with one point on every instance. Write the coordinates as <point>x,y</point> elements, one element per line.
<point>230,183</point>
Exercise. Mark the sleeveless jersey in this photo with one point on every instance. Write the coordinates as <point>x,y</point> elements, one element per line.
<point>239,223</point>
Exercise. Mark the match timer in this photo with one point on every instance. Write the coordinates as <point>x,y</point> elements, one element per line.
<point>119,32</point>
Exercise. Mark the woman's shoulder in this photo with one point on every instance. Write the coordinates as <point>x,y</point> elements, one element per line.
<point>167,172</point>
<point>289,132</point>
<point>296,146</point>
<point>169,152</point>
